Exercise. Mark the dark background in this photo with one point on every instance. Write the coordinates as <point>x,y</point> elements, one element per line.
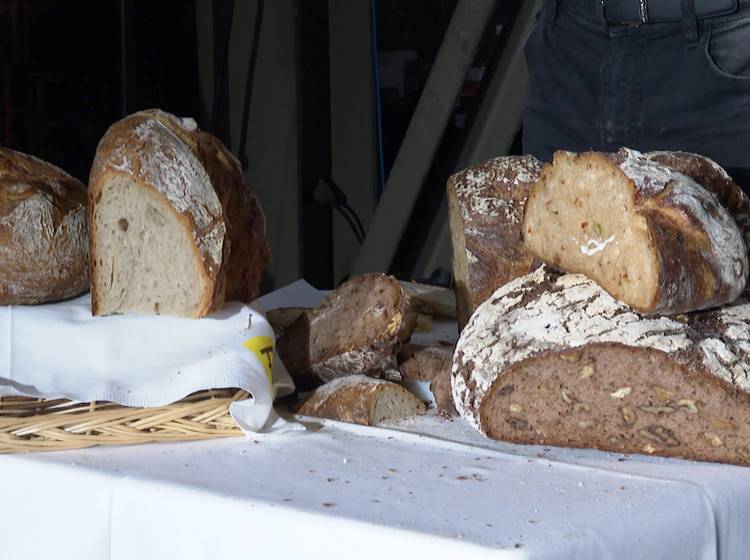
<point>68,70</point>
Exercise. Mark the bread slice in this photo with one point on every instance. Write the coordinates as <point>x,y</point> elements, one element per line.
<point>43,234</point>
<point>362,400</point>
<point>649,235</point>
<point>485,206</point>
<point>174,228</point>
<point>356,329</point>
<point>555,360</point>
<point>432,364</point>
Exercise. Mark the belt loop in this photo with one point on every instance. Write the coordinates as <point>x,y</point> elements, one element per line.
<point>599,13</point>
<point>551,14</point>
<point>689,23</point>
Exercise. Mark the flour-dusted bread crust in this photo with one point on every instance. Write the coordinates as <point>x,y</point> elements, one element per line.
<point>432,364</point>
<point>356,329</point>
<point>362,400</point>
<point>555,360</point>
<point>43,233</point>
<point>714,178</point>
<point>649,235</point>
<point>486,205</point>
<point>174,228</point>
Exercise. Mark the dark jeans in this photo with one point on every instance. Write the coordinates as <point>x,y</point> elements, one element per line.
<point>596,86</point>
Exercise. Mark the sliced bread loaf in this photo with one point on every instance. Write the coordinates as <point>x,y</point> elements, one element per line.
<point>174,228</point>
<point>361,400</point>
<point>649,235</point>
<point>555,360</point>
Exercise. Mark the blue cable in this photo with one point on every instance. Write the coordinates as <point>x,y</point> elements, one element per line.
<point>378,115</point>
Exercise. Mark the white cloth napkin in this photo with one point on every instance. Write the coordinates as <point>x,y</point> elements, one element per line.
<point>60,350</point>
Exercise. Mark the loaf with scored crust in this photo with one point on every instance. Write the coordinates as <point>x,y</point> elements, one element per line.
<point>43,232</point>
<point>553,359</point>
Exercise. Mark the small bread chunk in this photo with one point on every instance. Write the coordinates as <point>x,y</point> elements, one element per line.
<point>485,207</point>
<point>356,329</point>
<point>555,360</point>
<point>649,235</point>
<point>362,400</point>
<point>175,230</point>
<point>43,233</point>
<point>432,364</point>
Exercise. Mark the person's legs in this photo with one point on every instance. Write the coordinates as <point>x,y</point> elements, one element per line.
<point>564,55</point>
<point>698,99</point>
<point>647,87</point>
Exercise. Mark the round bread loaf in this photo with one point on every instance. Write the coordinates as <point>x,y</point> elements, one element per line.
<point>485,206</point>
<point>555,360</point>
<point>43,234</point>
<point>175,229</point>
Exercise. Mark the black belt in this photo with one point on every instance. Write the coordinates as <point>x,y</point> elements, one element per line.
<point>637,12</point>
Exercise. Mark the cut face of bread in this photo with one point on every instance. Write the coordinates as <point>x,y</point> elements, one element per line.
<point>174,227</point>
<point>146,260</point>
<point>619,398</point>
<point>362,400</point>
<point>584,218</point>
<point>647,234</point>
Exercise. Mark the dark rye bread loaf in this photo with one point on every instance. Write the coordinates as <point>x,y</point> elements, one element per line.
<point>432,364</point>
<point>485,206</point>
<point>175,229</point>
<point>356,329</point>
<point>361,400</point>
<point>649,235</point>
<point>43,234</point>
<point>555,360</point>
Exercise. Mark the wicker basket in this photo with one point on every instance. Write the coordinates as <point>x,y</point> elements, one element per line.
<point>28,424</point>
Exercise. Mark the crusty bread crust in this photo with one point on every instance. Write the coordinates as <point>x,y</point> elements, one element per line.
<point>356,329</point>
<point>485,205</point>
<point>357,399</point>
<point>201,182</point>
<point>524,334</point>
<point>43,233</point>
<point>714,178</point>
<point>694,247</point>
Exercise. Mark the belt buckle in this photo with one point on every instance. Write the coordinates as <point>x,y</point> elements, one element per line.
<point>642,9</point>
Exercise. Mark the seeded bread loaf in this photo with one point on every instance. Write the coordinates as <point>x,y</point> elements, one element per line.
<point>174,228</point>
<point>555,360</point>
<point>432,364</point>
<point>361,400</point>
<point>43,233</point>
<point>356,329</point>
<point>649,235</point>
<point>485,206</point>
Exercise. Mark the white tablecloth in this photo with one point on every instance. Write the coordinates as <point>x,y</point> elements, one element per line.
<point>352,492</point>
